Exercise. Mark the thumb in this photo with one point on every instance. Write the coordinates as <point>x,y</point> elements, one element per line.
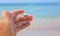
<point>5,16</point>
<point>7,23</point>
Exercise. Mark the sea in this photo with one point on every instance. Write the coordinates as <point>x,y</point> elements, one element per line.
<point>39,10</point>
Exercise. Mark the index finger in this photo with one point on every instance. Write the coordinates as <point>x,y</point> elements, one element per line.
<point>16,12</point>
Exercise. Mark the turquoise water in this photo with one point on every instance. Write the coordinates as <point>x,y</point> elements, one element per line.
<point>37,10</point>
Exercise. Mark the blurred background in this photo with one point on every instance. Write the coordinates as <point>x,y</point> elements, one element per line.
<point>46,16</point>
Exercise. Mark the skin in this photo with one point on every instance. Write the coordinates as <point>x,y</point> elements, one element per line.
<point>10,25</point>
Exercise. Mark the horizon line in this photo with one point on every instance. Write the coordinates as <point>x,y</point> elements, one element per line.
<point>29,4</point>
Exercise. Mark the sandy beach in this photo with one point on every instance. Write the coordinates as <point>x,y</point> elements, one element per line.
<point>42,27</point>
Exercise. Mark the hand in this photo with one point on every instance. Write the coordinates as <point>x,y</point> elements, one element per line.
<point>11,24</point>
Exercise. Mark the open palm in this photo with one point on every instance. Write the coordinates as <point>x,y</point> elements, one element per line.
<point>10,21</point>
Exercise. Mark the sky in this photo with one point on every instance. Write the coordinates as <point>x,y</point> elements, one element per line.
<point>29,1</point>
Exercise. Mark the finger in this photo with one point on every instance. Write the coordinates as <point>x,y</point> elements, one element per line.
<point>23,26</point>
<point>20,19</point>
<point>19,24</point>
<point>30,18</point>
<point>5,16</point>
<point>22,22</point>
<point>17,12</point>
<point>24,18</point>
